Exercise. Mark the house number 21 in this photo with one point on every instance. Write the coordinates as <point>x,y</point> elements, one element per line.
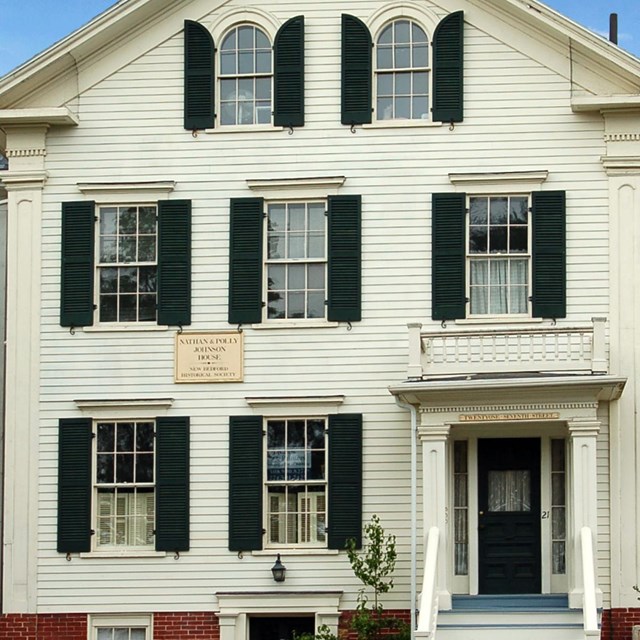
<point>545,515</point>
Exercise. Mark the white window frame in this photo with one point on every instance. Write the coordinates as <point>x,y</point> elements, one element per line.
<point>237,76</point>
<point>470,257</point>
<point>100,266</point>
<point>97,622</point>
<point>292,261</point>
<point>313,542</point>
<point>128,547</point>
<point>393,71</point>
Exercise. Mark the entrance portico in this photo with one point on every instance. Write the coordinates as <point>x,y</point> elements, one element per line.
<point>509,473</point>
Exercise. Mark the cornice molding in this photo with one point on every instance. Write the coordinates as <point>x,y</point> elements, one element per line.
<point>510,408</point>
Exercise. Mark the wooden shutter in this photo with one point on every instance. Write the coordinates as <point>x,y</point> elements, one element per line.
<point>288,75</point>
<point>172,484</point>
<point>448,68</point>
<point>549,254</point>
<point>344,259</point>
<point>74,485</point>
<point>448,267</point>
<point>356,72</point>
<point>174,262</point>
<point>345,480</point>
<point>77,264</point>
<point>199,77</point>
<point>245,260</point>
<point>245,483</point>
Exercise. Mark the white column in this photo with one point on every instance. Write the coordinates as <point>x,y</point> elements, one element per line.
<point>583,500</point>
<point>434,495</point>
<point>24,183</point>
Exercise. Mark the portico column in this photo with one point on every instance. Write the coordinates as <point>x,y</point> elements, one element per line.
<point>24,183</point>
<point>584,499</point>
<point>434,496</point>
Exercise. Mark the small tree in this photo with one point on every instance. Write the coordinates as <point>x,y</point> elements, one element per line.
<point>373,566</point>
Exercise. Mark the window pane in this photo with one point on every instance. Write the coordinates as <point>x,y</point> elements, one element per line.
<point>316,216</point>
<point>276,245</point>
<point>144,467</point>
<point>245,37</point>
<point>138,634</point>
<point>105,468</point>
<point>228,90</point>
<point>477,239</point>
<point>127,249</point>
<point>245,112</point>
<point>245,62</point>
<point>228,113</point>
<point>147,249</point>
<point>385,84</point>
<point>106,436</point>
<point>108,309</point>
<point>401,31</point>
<point>295,305</point>
<point>144,436</point>
<point>417,34</point>
<point>263,112</point>
<point>230,41</point>
<point>498,240</point>
<point>296,276</point>
<point>386,35</point>
<point>276,277</point>
<point>518,300</point>
<point>147,220</point>
<point>105,634</point>
<point>478,208</point>
<point>108,280</point>
<point>124,436</point>
<point>498,211</point>
<point>263,88</point>
<point>128,220</point>
<point>108,251</point>
<point>147,279</point>
<point>509,490</point>
<point>121,634</point>
<point>403,83</point>
<point>295,247</point>
<point>316,276</point>
<point>421,56</point>
<point>403,108</point>
<point>228,62</point>
<point>518,210</point>
<point>402,57</point>
<point>277,217</point>
<point>275,305</point>
<point>384,109</point>
<point>519,271</point>
<point>297,217</point>
<point>315,305</point>
<point>147,308</point>
<point>316,245</point>
<point>262,42</point>
<point>124,467</point>
<point>384,58</point>
<point>263,62</point>
<point>128,280</point>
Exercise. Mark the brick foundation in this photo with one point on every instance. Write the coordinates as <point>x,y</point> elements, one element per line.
<point>617,623</point>
<point>59,626</point>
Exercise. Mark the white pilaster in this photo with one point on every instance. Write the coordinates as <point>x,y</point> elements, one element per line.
<point>434,441</point>
<point>584,499</point>
<point>24,183</point>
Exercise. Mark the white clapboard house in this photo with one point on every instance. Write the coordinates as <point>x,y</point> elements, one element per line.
<point>275,267</point>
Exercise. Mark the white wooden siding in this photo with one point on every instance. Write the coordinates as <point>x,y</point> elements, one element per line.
<point>517,118</point>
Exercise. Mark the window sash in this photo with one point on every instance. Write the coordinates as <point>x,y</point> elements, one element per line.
<point>295,508</point>
<point>124,509</point>
<point>496,284</point>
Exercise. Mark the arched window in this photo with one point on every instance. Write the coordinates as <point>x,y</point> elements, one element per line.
<point>245,77</point>
<point>402,72</point>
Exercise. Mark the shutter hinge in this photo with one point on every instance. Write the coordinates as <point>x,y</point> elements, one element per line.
<point>93,435</point>
<point>264,531</point>
<point>93,532</point>
<point>264,433</point>
<point>95,306</point>
<point>466,300</point>
<point>154,532</point>
<point>263,304</point>
<point>264,214</point>
<point>530,298</point>
<point>95,218</point>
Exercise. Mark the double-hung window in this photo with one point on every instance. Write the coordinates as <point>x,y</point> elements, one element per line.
<point>296,261</point>
<point>245,77</point>
<point>498,255</point>
<point>295,481</point>
<point>126,627</point>
<point>402,72</point>
<point>125,484</point>
<point>127,263</point>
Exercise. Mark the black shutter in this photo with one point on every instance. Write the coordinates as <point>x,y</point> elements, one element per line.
<point>356,71</point>
<point>174,262</point>
<point>77,264</point>
<point>448,256</point>
<point>199,77</point>
<point>245,483</point>
<point>74,485</point>
<point>288,74</point>
<point>172,484</point>
<point>344,259</point>
<point>245,260</point>
<point>448,67</point>
<point>549,254</point>
<point>345,480</point>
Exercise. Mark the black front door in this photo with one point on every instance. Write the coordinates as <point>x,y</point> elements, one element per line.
<point>509,518</point>
<point>271,628</point>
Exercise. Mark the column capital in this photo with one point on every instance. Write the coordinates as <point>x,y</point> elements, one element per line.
<point>23,180</point>
<point>584,427</point>
<point>434,433</point>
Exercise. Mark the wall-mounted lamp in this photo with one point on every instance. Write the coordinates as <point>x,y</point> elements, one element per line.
<point>278,570</point>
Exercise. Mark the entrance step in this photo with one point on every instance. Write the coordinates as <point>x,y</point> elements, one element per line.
<point>510,617</point>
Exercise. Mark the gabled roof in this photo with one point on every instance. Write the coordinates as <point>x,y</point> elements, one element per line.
<point>20,86</point>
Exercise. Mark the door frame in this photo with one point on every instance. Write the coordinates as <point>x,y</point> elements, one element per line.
<point>550,583</point>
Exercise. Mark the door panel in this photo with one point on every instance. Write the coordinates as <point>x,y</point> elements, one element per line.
<point>279,628</point>
<point>509,515</point>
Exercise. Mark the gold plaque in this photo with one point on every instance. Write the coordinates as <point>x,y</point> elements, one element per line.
<point>209,356</point>
<point>508,417</point>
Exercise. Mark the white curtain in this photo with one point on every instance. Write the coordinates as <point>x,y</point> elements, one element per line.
<point>510,490</point>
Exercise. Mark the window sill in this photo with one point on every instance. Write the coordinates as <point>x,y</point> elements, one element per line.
<point>108,328</point>
<point>243,128</point>
<point>296,551</point>
<point>124,553</point>
<point>311,324</point>
<point>402,124</point>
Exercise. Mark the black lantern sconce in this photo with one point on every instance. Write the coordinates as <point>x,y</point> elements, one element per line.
<point>278,570</point>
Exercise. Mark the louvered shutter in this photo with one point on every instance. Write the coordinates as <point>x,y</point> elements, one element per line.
<point>74,485</point>
<point>245,483</point>
<point>172,484</point>
<point>245,260</point>
<point>199,77</point>
<point>549,254</point>
<point>344,259</point>
<point>448,256</point>
<point>77,264</point>
<point>288,75</point>
<point>356,72</point>
<point>345,480</point>
<point>448,69</point>
<point>174,262</point>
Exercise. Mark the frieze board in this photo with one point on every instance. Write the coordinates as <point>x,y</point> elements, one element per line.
<point>25,153</point>
<point>622,137</point>
<point>510,408</point>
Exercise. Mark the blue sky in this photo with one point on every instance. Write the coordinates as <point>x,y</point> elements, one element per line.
<point>30,26</point>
